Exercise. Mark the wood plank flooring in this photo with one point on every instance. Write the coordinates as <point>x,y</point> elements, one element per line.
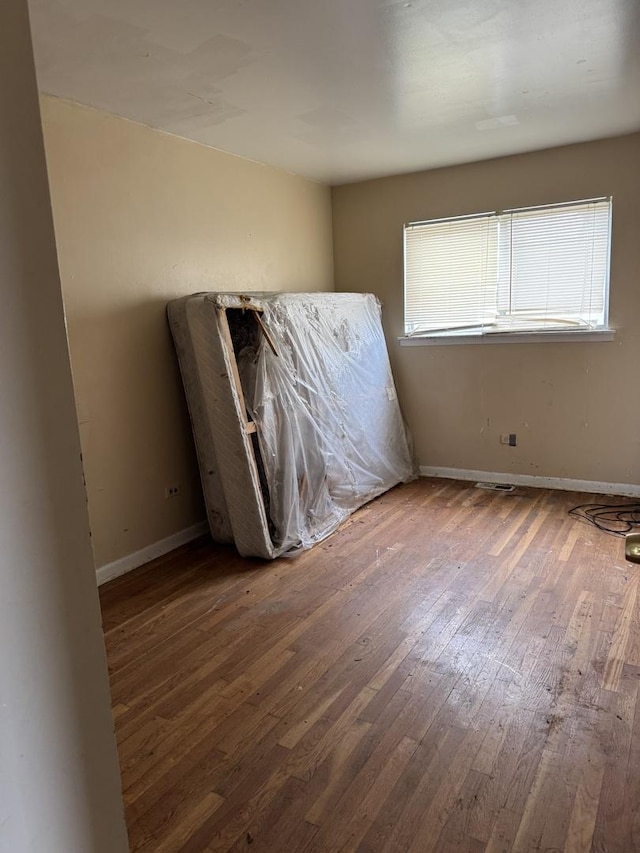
<point>455,669</point>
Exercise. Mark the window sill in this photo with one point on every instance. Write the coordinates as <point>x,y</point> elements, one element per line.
<point>577,336</point>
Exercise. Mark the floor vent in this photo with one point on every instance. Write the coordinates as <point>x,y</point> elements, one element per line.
<point>496,487</point>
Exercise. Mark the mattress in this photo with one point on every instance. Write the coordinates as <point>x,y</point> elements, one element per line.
<point>294,413</point>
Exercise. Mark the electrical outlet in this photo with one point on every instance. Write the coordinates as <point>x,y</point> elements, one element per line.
<point>508,438</point>
<point>504,438</point>
<point>172,491</point>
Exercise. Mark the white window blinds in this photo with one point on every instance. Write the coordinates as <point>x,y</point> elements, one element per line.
<point>543,268</point>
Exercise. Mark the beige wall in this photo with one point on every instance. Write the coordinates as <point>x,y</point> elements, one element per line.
<point>576,406</point>
<point>141,217</point>
<point>59,780</point>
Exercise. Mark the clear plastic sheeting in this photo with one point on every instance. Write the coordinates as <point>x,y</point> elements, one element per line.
<point>329,426</point>
<point>294,412</point>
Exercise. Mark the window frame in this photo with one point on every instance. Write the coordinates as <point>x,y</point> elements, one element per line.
<point>475,334</point>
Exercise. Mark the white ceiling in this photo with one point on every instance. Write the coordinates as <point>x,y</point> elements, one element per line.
<point>340,90</point>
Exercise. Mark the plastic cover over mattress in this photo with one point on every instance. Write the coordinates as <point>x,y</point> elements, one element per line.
<point>329,426</point>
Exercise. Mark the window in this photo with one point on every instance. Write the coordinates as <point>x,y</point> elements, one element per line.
<point>531,269</point>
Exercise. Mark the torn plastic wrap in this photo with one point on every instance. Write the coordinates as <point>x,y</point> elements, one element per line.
<point>315,378</point>
<point>330,429</point>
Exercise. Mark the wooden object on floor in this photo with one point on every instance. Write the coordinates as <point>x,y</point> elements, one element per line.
<point>455,669</point>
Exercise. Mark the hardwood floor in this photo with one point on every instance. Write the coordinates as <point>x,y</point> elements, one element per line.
<point>455,669</point>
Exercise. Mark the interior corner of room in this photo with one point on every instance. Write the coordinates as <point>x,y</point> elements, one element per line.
<point>162,217</point>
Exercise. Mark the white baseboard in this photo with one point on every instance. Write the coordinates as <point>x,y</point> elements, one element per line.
<point>144,555</point>
<point>568,485</point>
<point>158,549</point>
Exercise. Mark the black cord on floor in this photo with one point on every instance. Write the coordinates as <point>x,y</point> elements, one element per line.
<point>618,519</point>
